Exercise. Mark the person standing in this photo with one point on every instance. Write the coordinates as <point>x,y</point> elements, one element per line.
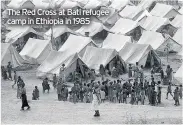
<point>162,74</point>
<point>102,94</point>
<point>96,102</point>
<point>136,71</point>
<point>55,81</point>
<point>102,71</point>
<point>9,68</point>
<point>24,98</point>
<point>15,79</point>
<point>35,94</point>
<point>176,96</point>
<point>142,96</point>
<point>169,90</point>
<point>59,88</point>
<point>141,72</point>
<point>130,71</point>
<point>114,94</point>
<point>180,92</point>
<point>159,95</point>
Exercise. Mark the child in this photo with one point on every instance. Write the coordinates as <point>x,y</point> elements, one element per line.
<point>35,94</point>
<point>114,95</point>
<point>19,92</point>
<point>125,96</point>
<point>120,98</point>
<point>102,94</point>
<point>15,79</point>
<point>132,97</point>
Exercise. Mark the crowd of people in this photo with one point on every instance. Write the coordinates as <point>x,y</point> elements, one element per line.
<point>137,88</point>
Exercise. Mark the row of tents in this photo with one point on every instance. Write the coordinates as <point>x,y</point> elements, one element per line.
<point>80,48</point>
<point>132,34</point>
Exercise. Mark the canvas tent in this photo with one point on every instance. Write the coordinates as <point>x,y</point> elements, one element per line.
<point>177,21</point>
<point>94,57</point>
<point>93,4</point>
<point>54,62</point>
<point>158,42</point>
<point>115,41</point>
<point>18,34</point>
<point>68,4</point>
<point>57,31</point>
<point>178,75</point>
<point>153,23</point>
<point>178,36</point>
<point>131,12</point>
<point>120,4</point>
<point>124,26</point>
<point>93,28</point>
<point>35,50</point>
<point>141,53</point>
<point>181,10</point>
<point>9,54</point>
<point>145,4</point>
<point>76,44</point>
<point>33,4</point>
<point>143,15</point>
<point>180,53</point>
<point>110,19</point>
<point>163,10</point>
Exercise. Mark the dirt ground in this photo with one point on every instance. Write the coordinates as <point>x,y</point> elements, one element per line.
<point>49,110</point>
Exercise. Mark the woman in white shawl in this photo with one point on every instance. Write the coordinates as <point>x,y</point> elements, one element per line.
<point>96,102</point>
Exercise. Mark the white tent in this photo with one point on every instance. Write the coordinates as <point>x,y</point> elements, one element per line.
<point>145,3</point>
<point>35,4</point>
<point>54,62</point>
<point>92,4</point>
<point>57,31</point>
<point>124,26</point>
<point>178,75</point>
<point>158,42</point>
<point>178,36</point>
<point>180,53</point>
<point>131,12</point>
<point>69,4</point>
<point>143,15</point>
<point>177,21</point>
<point>76,44</point>
<point>94,57</point>
<point>93,28</point>
<point>163,10</point>
<point>36,50</point>
<point>153,23</point>
<point>9,54</point>
<point>181,10</point>
<point>120,4</point>
<point>110,19</point>
<point>19,32</point>
<point>115,41</point>
<point>141,53</point>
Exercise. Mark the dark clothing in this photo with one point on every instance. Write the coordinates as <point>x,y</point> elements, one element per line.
<point>24,101</point>
<point>9,69</point>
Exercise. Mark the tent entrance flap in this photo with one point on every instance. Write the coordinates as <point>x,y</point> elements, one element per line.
<point>151,60</point>
<point>101,35</point>
<point>115,62</point>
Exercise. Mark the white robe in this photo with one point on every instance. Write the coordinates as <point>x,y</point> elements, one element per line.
<point>95,102</point>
